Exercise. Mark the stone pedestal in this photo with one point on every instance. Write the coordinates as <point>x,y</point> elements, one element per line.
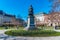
<point>31,23</point>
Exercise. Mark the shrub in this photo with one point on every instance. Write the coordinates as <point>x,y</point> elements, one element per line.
<point>32,33</point>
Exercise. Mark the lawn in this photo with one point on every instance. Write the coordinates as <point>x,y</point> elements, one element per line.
<point>11,28</point>
<point>46,28</point>
<point>50,28</point>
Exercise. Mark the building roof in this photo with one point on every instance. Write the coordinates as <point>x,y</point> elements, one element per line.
<point>9,15</point>
<point>1,12</point>
<point>39,13</point>
<point>4,14</point>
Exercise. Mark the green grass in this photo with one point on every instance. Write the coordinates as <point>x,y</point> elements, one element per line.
<point>1,28</point>
<point>46,28</point>
<point>4,28</point>
<point>32,33</point>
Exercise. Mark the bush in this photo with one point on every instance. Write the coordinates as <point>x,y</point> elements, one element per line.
<point>36,33</point>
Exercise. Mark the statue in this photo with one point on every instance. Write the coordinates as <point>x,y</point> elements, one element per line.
<point>31,20</point>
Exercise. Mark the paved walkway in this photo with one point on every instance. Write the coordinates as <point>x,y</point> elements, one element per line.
<point>57,30</point>
<point>6,37</point>
<point>38,38</point>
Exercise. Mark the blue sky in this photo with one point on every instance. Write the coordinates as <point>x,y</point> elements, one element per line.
<point>20,7</point>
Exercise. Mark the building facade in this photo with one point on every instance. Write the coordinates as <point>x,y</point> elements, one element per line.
<point>7,19</point>
<point>52,19</point>
<point>40,19</point>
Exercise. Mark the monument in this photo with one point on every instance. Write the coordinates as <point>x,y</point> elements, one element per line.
<point>31,20</point>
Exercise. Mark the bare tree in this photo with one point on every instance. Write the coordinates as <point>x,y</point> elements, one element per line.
<point>55,5</point>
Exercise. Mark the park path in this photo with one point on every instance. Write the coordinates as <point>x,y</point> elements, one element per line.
<point>6,37</point>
